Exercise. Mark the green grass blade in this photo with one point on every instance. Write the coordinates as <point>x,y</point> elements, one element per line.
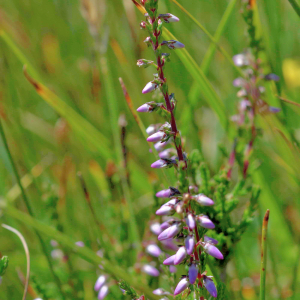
<point>213,39</point>
<point>84,252</point>
<point>80,126</point>
<point>219,32</point>
<point>207,89</point>
<point>295,6</point>
<point>264,256</point>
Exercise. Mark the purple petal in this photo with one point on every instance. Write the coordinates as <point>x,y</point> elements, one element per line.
<point>150,86</point>
<point>165,225</point>
<point>144,108</point>
<point>160,292</point>
<point>203,200</point>
<point>159,164</point>
<point>165,210</point>
<point>155,137</point>
<point>181,286</point>
<point>210,286</point>
<point>169,232</point>
<point>193,273</point>
<point>274,109</point>
<point>163,193</point>
<point>210,240</point>
<point>190,222</point>
<point>206,222</point>
<point>189,244</point>
<point>103,292</point>
<point>153,250</point>
<point>169,261</point>
<point>80,244</point>
<point>169,244</point>
<point>272,76</point>
<point>99,283</point>
<point>180,256</point>
<point>172,269</point>
<point>150,270</point>
<point>155,228</point>
<point>240,60</point>
<point>213,251</point>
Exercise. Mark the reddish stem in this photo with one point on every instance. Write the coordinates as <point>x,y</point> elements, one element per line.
<point>166,97</point>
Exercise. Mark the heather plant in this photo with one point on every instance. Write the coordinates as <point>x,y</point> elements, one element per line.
<point>162,195</point>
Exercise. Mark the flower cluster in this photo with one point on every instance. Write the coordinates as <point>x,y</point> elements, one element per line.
<point>251,94</point>
<point>182,200</point>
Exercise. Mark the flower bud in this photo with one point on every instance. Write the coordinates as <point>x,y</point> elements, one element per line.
<point>169,244</point>
<point>167,153</point>
<point>144,63</point>
<point>155,228</point>
<point>210,286</point>
<point>213,251</point>
<point>210,240</point>
<point>203,200</point>
<point>272,76</point>
<point>145,108</point>
<point>172,269</point>
<point>152,128</point>
<point>168,18</point>
<point>143,25</point>
<point>164,193</point>
<point>150,270</point>
<point>79,244</point>
<point>180,256</point>
<point>99,283</point>
<point>240,60</point>
<point>193,273</point>
<point>170,232</point>
<point>149,87</point>
<point>165,210</point>
<point>172,44</point>
<point>239,82</point>
<point>170,260</point>
<point>103,292</point>
<point>190,221</point>
<point>181,286</point>
<point>153,250</point>
<point>205,222</point>
<point>160,145</point>
<point>155,137</point>
<point>189,244</point>
<point>160,292</point>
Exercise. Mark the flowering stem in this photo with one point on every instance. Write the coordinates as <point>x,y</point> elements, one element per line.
<point>160,65</point>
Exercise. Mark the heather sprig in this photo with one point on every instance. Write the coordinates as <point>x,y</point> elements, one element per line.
<point>182,200</point>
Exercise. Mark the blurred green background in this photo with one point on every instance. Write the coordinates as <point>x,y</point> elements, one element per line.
<point>78,50</point>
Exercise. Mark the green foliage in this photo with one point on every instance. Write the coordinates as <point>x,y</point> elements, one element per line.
<point>3,265</point>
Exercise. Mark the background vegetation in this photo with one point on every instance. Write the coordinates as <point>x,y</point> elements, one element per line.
<point>78,50</point>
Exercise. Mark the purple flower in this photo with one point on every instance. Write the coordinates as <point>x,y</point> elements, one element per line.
<point>167,153</point>
<point>210,286</point>
<point>172,44</point>
<point>155,228</point>
<point>168,18</point>
<point>190,221</point>
<point>165,225</point>
<point>181,286</point>
<point>145,108</point>
<point>205,222</point>
<point>80,244</point>
<point>152,128</point>
<point>169,244</point>
<point>169,261</point>
<point>150,270</point>
<point>99,283</point>
<point>189,244</point>
<point>210,240</point>
<point>103,292</point>
<point>150,86</point>
<point>160,292</point>
<point>213,251</point>
<point>170,232</point>
<point>172,269</point>
<point>155,137</point>
<point>193,273</point>
<point>165,210</point>
<point>153,250</point>
<point>159,164</point>
<point>180,255</point>
<point>240,60</point>
<point>160,145</point>
<point>203,200</point>
<point>272,76</point>
<point>164,193</point>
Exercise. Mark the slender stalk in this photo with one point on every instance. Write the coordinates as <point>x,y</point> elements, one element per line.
<point>160,65</point>
<point>29,209</point>
<point>264,256</point>
<point>295,6</point>
<point>15,231</point>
